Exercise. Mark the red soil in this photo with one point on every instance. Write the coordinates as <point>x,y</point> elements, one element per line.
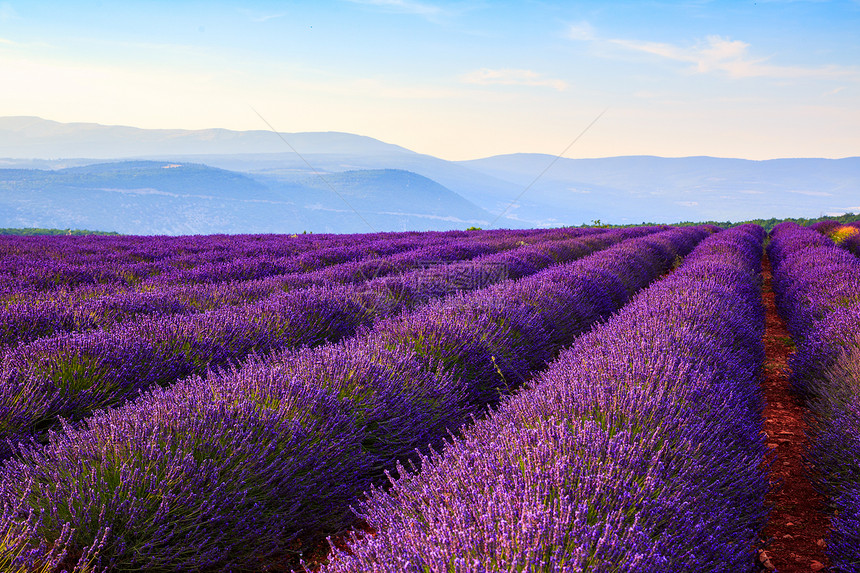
<point>797,530</point>
<point>316,552</point>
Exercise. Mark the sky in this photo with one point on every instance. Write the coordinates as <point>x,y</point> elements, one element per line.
<point>454,79</point>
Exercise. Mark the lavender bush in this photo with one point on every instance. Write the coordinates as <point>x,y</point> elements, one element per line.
<point>34,315</point>
<point>639,449</point>
<point>225,472</point>
<point>73,374</point>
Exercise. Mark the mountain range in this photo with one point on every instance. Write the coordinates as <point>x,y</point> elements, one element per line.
<point>146,181</point>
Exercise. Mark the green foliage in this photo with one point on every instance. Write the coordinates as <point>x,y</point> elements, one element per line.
<point>598,225</point>
<point>474,229</point>
<point>36,231</point>
<point>768,224</point>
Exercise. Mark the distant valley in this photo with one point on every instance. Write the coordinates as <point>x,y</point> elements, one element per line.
<point>140,181</point>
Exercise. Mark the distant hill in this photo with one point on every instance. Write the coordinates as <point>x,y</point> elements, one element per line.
<point>240,168</point>
<point>28,137</point>
<point>148,197</point>
<point>394,192</point>
<point>659,189</point>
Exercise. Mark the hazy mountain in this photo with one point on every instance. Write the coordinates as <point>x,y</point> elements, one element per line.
<point>489,192</point>
<point>255,167</point>
<point>29,137</point>
<point>146,197</point>
<point>35,143</point>
<point>645,188</point>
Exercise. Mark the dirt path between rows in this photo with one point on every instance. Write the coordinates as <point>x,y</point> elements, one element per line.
<point>797,530</point>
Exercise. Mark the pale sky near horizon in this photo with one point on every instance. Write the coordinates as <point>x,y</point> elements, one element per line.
<point>458,80</point>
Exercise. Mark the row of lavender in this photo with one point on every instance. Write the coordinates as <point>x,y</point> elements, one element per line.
<point>48,263</point>
<point>817,289</point>
<point>638,450</point>
<point>227,472</point>
<point>130,249</point>
<point>38,279</point>
<point>72,374</point>
<point>42,314</point>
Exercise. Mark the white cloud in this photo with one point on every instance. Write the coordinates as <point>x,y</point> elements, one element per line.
<point>512,77</point>
<point>260,17</point>
<point>714,54</point>
<point>424,9</point>
<point>810,193</point>
<point>582,31</point>
<point>687,203</point>
<point>731,57</point>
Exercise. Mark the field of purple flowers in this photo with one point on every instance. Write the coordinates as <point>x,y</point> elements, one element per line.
<point>540,400</point>
<point>817,287</point>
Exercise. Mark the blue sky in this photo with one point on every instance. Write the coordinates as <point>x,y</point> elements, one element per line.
<point>460,79</point>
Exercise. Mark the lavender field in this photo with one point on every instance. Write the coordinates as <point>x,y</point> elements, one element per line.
<point>577,399</point>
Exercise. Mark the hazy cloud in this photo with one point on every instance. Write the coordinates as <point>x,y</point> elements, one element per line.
<point>714,54</point>
<point>732,57</point>
<point>582,31</point>
<point>424,9</point>
<point>810,193</point>
<point>260,17</point>
<point>511,77</point>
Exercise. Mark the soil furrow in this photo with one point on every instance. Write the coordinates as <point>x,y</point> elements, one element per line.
<point>797,529</point>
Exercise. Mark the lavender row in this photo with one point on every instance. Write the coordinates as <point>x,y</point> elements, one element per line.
<point>258,267</point>
<point>638,450</point>
<point>241,258</point>
<point>46,264</point>
<point>82,250</point>
<point>225,472</point>
<point>72,374</point>
<point>437,247</point>
<point>30,317</point>
<point>85,309</point>
<point>817,287</point>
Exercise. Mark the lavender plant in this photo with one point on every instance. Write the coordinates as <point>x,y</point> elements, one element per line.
<point>73,374</point>
<point>226,472</point>
<point>639,449</point>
